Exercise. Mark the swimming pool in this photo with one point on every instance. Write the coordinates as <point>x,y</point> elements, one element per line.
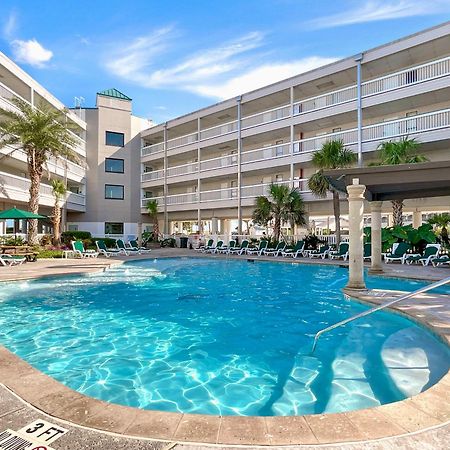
<point>219,337</point>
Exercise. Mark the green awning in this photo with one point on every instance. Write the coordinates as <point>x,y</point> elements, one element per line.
<point>15,213</point>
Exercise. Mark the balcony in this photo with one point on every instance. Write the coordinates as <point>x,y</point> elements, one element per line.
<point>408,77</point>
<point>17,189</point>
<point>382,131</point>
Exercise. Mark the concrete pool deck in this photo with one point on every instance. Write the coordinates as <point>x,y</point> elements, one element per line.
<point>416,422</point>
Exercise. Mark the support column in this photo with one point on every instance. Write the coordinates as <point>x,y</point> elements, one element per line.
<point>356,224</point>
<point>199,214</point>
<point>239,158</point>
<point>166,214</point>
<point>375,210</point>
<point>417,218</point>
<point>358,60</point>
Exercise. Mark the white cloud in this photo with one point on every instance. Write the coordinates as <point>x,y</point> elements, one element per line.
<point>10,25</point>
<point>217,72</point>
<point>376,10</point>
<point>31,52</point>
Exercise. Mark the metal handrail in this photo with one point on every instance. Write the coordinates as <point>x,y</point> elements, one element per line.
<point>377,308</point>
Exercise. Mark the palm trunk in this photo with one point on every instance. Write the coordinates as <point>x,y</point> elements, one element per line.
<point>397,212</point>
<point>156,227</point>
<point>277,228</point>
<point>56,222</point>
<point>337,216</point>
<point>33,205</point>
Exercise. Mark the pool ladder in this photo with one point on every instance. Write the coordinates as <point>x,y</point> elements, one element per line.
<point>378,308</point>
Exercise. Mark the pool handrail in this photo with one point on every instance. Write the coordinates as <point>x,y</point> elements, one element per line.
<point>421,290</point>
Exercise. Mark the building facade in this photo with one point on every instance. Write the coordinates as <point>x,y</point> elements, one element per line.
<point>206,168</point>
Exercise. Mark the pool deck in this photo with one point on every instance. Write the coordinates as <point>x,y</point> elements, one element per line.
<point>419,422</point>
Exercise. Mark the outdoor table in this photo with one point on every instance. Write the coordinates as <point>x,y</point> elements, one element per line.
<point>25,250</point>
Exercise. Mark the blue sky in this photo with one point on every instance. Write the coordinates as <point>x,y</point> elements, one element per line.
<point>173,57</point>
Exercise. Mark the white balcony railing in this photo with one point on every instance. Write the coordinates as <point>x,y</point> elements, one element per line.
<point>153,175</point>
<point>219,194</point>
<point>274,151</point>
<point>183,169</point>
<point>76,199</point>
<point>407,77</point>
<point>218,163</point>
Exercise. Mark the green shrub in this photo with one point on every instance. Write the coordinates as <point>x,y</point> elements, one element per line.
<point>5,240</point>
<point>44,253</point>
<point>67,236</point>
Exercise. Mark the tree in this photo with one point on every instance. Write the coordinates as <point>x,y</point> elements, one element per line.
<point>282,205</point>
<point>152,209</point>
<point>332,155</point>
<point>59,190</point>
<point>41,133</point>
<point>442,221</point>
<point>403,151</point>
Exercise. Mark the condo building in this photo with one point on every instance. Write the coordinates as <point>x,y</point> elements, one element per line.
<point>206,168</point>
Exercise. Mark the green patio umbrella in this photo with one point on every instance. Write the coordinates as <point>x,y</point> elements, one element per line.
<point>19,214</point>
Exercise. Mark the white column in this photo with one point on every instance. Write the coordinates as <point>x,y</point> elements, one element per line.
<point>239,158</point>
<point>356,225</point>
<point>375,209</point>
<point>417,218</point>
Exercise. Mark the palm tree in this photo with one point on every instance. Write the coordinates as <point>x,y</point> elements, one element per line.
<point>283,204</point>
<point>332,155</point>
<point>443,221</point>
<point>403,151</point>
<point>41,133</point>
<point>59,190</point>
<point>152,209</point>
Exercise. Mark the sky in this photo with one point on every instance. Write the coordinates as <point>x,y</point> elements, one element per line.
<point>173,57</point>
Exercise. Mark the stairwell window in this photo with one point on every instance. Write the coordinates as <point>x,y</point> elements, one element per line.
<point>114,165</point>
<point>114,139</point>
<point>114,192</point>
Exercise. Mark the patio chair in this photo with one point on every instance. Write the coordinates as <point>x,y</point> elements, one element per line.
<point>342,252</point>
<point>239,249</point>
<point>78,250</point>
<point>214,249</point>
<point>443,259</point>
<point>275,251</point>
<point>430,253</point>
<point>120,244</point>
<point>367,254</point>
<point>294,252</point>
<point>133,244</point>
<point>259,250</point>
<point>226,248</point>
<point>321,253</point>
<point>203,248</point>
<point>11,260</point>
<point>398,253</point>
<point>102,250</point>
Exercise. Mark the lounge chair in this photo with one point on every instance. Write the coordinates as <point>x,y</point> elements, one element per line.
<point>430,253</point>
<point>102,250</point>
<point>133,244</point>
<point>275,251</point>
<point>11,260</point>
<point>398,253</point>
<point>294,252</point>
<point>120,244</point>
<point>226,248</point>
<point>321,253</point>
<point>203,248</point>
<point>443,259</point>
<point>257,251</point>
<point>367,251</point>
<point>78,250</point>
<point>239,249</point>
<point>214,249</point>
<point>342,252</point>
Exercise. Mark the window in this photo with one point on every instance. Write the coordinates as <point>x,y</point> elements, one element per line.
<point>114,165</point>
<point>115,139</point>
<point>113,228</point>
<point>113,192</point>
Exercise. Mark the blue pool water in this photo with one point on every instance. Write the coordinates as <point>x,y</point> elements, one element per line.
<point>219,337</point>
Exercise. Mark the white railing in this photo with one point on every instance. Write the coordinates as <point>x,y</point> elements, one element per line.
<point>218,130</point>
<point>217,163</point>
<point>77,199</point>
<point>311,144</point>
<point>267,116</point>
<point>219,194</point>
<point>153,175</point>
<point>151,149</point>
<point>177,199</point>
<point>182,140</point>
<point>264,153</point>
<point>183,169</point>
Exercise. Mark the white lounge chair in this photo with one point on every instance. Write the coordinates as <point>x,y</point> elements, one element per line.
<point>431,252</point>
<point>257,251</point>
<point>294,252</point>
<point>11,260</point>
<point>342,252</point>
<point>275,251</point>
<point>133,245</point>
<point>399,250</point>
<point>240,249</point>
<point>103,250</point>
<point>321,253</point>
<point>78,249</point>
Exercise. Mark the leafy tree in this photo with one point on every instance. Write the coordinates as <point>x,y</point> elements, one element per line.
<point>41,133</point>
<point>332,155</point>
<point>283,204</point>
<point>152,209</point>
<point>59,191</point>
<point>403,151</point>
<point>442,221</point>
